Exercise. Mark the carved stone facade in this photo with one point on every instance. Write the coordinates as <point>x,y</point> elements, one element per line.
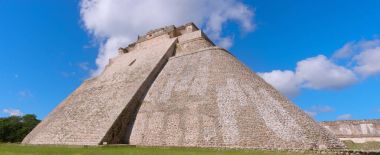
<point>358,131</point>
<point>174,87</point>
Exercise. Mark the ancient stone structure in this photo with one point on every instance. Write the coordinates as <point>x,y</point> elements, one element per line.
<point>359,131</point>
<point>174,87</point>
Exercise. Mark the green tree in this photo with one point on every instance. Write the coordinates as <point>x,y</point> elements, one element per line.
<point>15,128</point>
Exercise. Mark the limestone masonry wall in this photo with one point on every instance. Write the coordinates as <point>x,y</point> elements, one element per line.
<point>209,99</point>
<point>174,87</point>
<point>205,97</point>
<point>359,131</point>
<point>88,114</point>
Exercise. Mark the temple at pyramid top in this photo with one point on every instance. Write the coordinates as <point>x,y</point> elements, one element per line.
<point>172,31</point>
<point>174,87</point>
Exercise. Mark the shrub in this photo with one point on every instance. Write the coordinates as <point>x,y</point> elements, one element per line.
<point>15,128</point>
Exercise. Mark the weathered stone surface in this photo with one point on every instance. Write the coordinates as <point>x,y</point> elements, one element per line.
<point>201,96</point>
<point>87,115</point>
<point>208,98</point>
<point>359,131</point>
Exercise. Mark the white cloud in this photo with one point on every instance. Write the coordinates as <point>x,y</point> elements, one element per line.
<point>320,73</point>
<point>322,108</point>
<point>109,50</point>
<point>314,73</point>
<point>344,52</point>
<point>318,109</point>
<point>284,81</point>
<point>225,42</point>
<point>118,22</point>
<point>13,112</point>
<point>352,48</point>
<point>363,54</point>
<point>25,93</point>
<point>368,62</point>
<point>361,58</point>
<point>344,117</point>
<point>84,66</point>
<point>311,113</point>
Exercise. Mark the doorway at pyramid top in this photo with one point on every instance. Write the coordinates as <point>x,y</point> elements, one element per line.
<point>191,40</point>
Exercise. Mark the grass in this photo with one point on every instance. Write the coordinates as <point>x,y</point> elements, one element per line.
<point>363,146</point>
<point>16,149</point>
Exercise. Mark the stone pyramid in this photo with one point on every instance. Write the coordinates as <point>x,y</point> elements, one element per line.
<point>174,87</point>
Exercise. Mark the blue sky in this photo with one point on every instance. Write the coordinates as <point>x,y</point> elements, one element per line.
<point>49,47</point>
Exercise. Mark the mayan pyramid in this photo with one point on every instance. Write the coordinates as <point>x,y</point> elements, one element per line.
<point>174,87</point>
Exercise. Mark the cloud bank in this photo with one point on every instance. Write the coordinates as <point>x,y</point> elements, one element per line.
<point>318,109</point>
<point>314,73</point>
<point>344,117</point>
<point>320,72</point>
<point>13,112</point>
<point>284,81</point>
<point>117,23</point>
